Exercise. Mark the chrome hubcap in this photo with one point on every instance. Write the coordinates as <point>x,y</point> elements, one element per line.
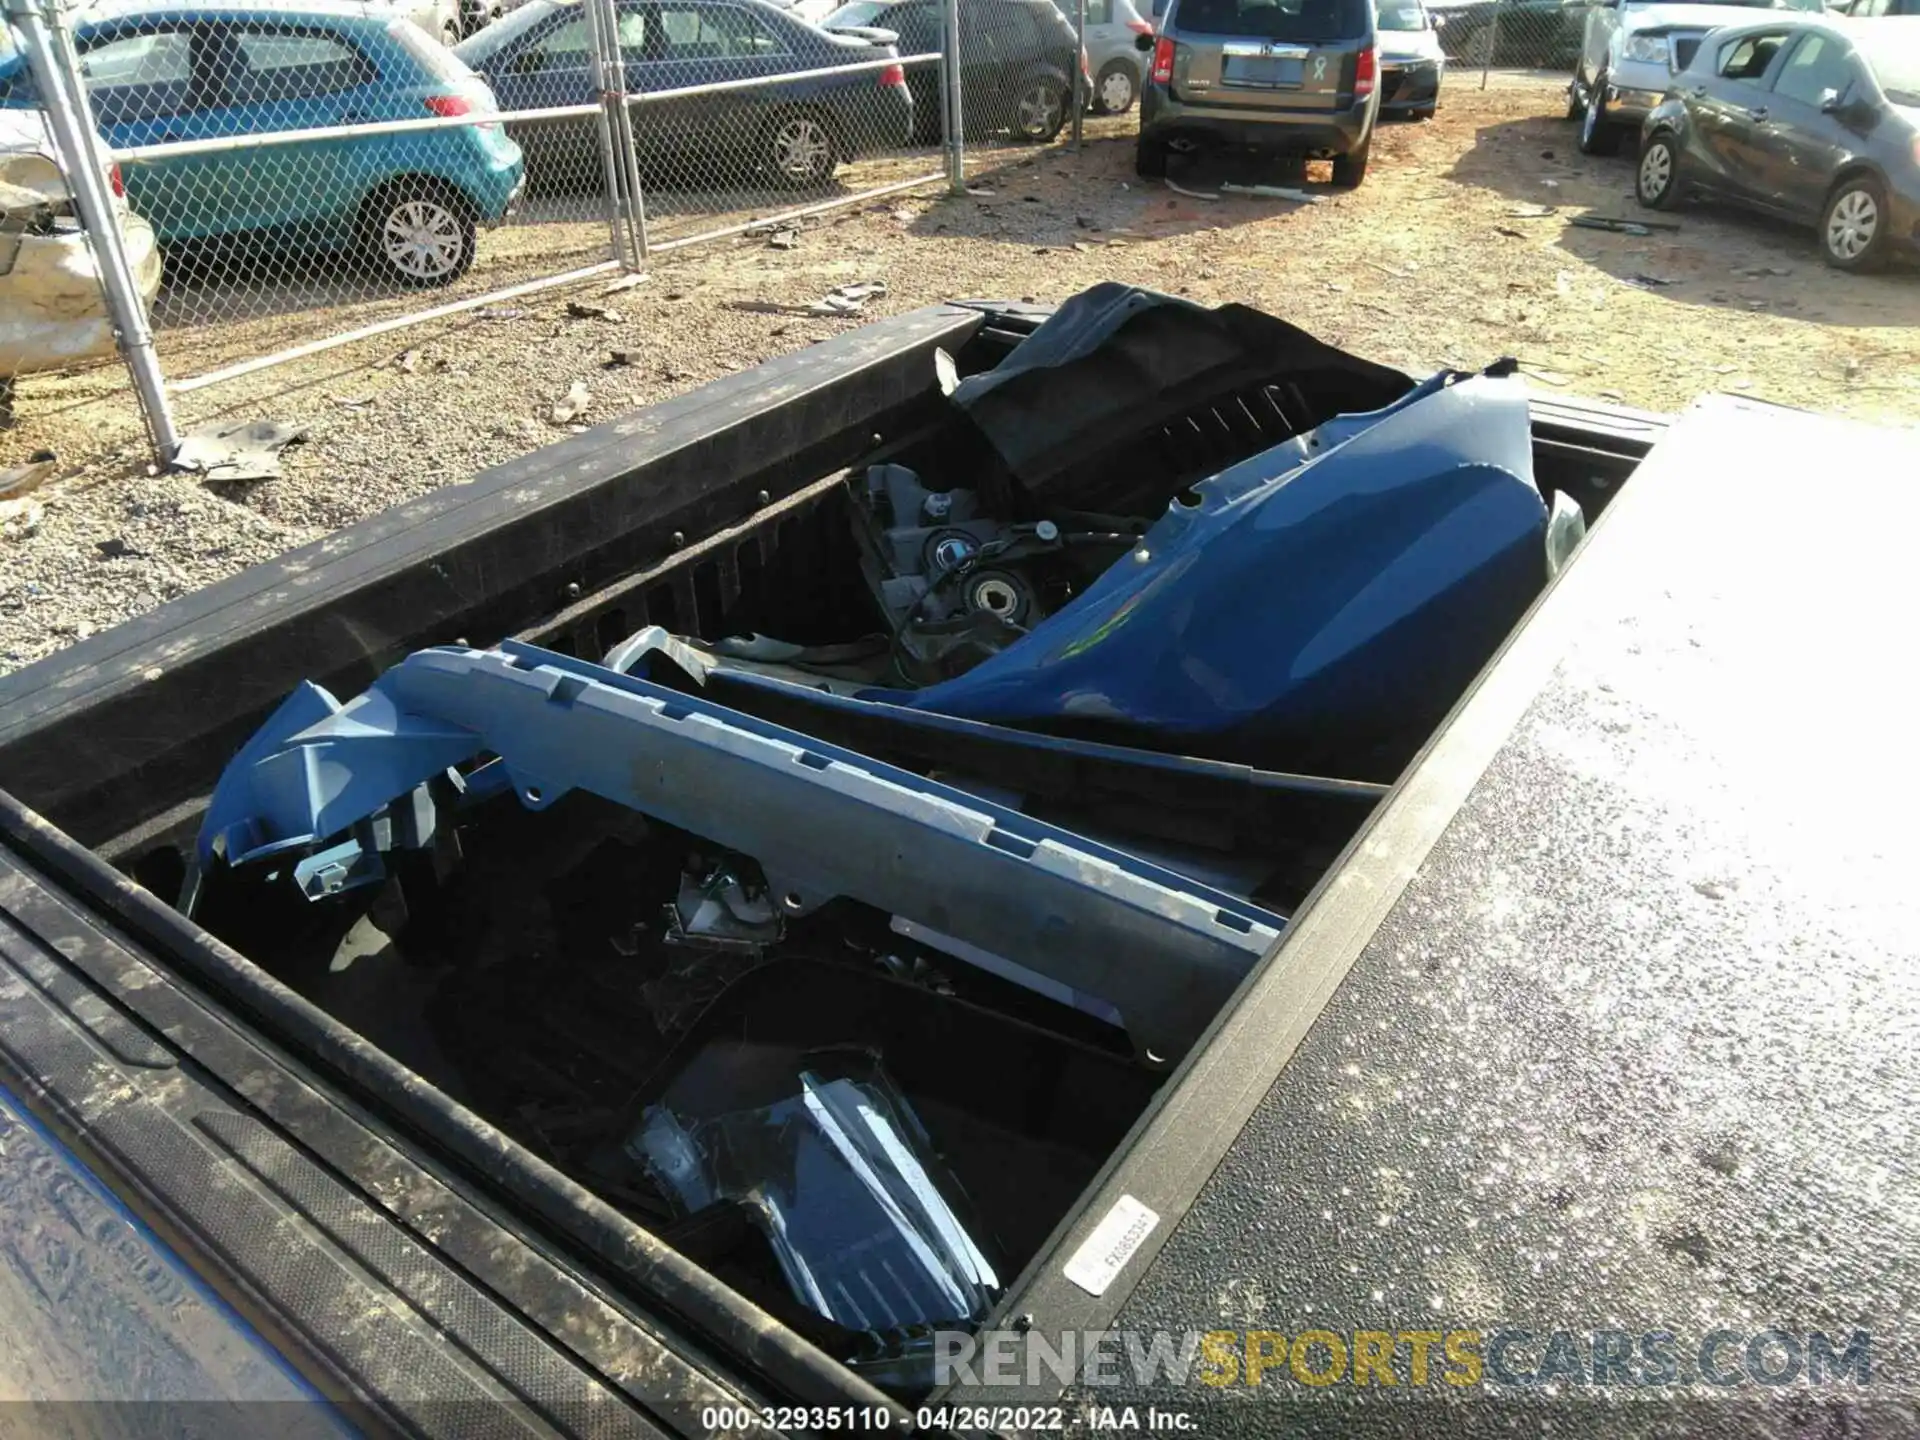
<point>1851,225</point>
<point>422,239</point>
<point>1039,111</point>
<point>1116,91</point>
<point>1656,170</point>
<point>800,148</point>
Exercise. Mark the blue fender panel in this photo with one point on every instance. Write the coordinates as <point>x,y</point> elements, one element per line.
<point>1325,595</point>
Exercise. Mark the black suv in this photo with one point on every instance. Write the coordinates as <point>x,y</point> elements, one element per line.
<point>1290,77</point>
<point>1016,62</point>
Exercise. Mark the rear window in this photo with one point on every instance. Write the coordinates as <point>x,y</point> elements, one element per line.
<point>1298,20</point>
<point>1401,15</point>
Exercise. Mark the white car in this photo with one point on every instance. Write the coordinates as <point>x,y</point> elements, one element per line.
<point>52,311</point>
<point>1630,50</point>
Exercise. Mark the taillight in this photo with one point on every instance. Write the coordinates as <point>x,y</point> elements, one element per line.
<point>117,181</point>
<point>448,106</point>
<point>1140,27</point>
<point>1365,71</point>
<point>894,76</point>
<point>1086,67</point>
<point>1163,61</point>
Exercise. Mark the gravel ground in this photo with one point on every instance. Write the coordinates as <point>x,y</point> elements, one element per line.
<point>1442,256</point>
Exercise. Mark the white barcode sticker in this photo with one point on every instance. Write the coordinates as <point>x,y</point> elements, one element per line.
<point>1104,1253</point>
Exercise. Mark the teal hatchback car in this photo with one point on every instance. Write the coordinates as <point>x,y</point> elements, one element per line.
<point>158,74</point>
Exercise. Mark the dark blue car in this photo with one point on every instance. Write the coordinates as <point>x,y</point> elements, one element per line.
<point>793,133</point>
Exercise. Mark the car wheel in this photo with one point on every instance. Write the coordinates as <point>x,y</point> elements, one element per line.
<point>1425,112</point>
<point>421,233</point>
<point>1114,88</point>
<point>1350,169</point>
<point>800,151</point>
<point>1657,183</point>
<point>1853,227</point>
<point>1598,134</point>
<point>1040,110</point>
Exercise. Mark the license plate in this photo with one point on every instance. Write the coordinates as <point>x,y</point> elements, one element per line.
<point>1262,70</point>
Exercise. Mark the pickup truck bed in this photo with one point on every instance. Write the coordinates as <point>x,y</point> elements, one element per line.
<point>690,516</point>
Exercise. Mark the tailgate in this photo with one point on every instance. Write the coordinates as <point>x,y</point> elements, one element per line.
<point>387,1289</point>
<point>1295,55</point>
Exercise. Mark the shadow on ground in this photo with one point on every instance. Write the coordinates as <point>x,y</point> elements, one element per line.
<point>1716,256</point>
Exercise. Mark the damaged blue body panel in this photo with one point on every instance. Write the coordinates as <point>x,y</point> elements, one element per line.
<point>339,784</point>
<point>1326,595</point>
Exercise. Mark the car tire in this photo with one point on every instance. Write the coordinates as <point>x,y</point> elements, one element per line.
<point>1040,109</point>
<point>1656,180</point>
<point>1115,88</point>
<point>1576,107</point>
<point>1424,112</point>
<point>1854,225</point>
<point>1350,169</point>
<point>1598,134</point>
<point>799,150</point>
<point>1150,159</point>
<point>420,233</point>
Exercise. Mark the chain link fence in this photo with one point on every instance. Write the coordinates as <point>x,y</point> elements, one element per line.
<point>278,178</point>
<point>1511,34</point>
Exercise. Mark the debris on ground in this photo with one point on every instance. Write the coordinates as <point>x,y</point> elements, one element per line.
<point>1190,194</point>
<point>574,403</point>
<point>619,359</point>
<point>407,360</point>
<point>1272,192</point>
<point>980,192</point>
<point>225,453</point>
<point>28,477</point>
<point>499,312</point>
<point>116,548</point>
<point>581,310</point>
<point>847,299</point>
<point>626,282</point>
<point>784,240</point>
<point>1621,227</point>
<point>20,518</point>
<point>1653,281</point>
<point>1533,212</point>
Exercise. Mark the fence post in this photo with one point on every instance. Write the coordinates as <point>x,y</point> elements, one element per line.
<point>1493,47</point>
<point>625,206</point>
<point>1079,71</point>
<point>950,97</point>
<point>56,75</point>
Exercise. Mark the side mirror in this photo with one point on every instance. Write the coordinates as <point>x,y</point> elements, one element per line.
<point>1144,44</point>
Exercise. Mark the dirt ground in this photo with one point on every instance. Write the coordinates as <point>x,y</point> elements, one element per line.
<point>1456,250</point>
